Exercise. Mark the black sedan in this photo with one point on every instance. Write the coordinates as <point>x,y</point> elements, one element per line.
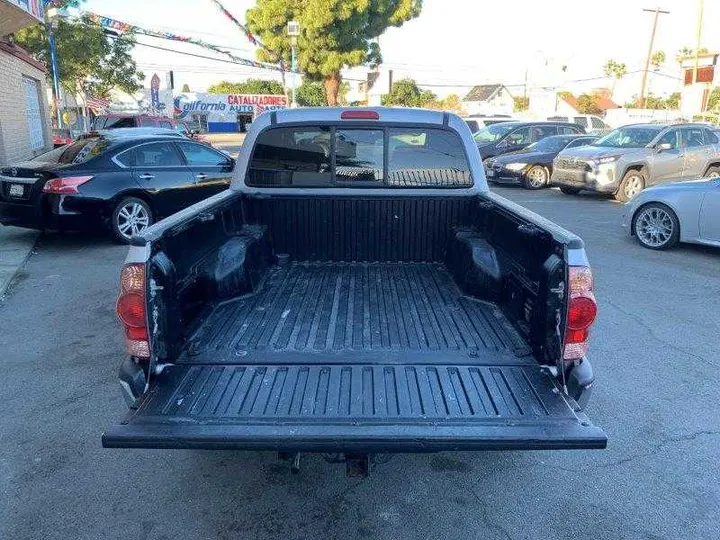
<point>532,166</point>
<point>120,182</point>
<point>510,136</point>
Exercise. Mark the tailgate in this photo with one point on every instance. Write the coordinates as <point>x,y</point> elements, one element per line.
<point>355,408</point>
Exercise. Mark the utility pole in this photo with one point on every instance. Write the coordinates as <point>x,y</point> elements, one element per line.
<point>697,40</point>
<point>51,26</point>
<point>657,11</point>
<point>293,29</point>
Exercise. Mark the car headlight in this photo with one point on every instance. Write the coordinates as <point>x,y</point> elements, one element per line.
<point>604,160</point>
<point>515,166</point>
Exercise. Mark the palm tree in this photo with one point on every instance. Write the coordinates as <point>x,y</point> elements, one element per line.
<point>616,70</point>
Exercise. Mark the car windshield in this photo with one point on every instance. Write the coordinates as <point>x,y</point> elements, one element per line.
<point>492,133</point>
<point>629,137</point>
<point>550,144</point>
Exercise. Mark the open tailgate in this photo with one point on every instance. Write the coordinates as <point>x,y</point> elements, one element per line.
<point>355,408</point>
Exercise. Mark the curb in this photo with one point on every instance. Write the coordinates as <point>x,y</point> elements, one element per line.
<point>16,247</point>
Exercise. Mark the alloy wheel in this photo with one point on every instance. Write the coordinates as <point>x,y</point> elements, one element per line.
<point>654,227</point>
<point>537,177</point>
<point>133,218</point>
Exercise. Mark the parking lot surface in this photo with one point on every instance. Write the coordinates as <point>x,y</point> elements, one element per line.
<point>654,350</point>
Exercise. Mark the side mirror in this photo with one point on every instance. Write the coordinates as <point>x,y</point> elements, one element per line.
<point>663,147</point>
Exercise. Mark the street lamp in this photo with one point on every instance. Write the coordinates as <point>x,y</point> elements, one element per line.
<point>52,25</point>
<point>293,30</point>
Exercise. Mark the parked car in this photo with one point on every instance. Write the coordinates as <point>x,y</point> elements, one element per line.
<point>531,167</point>
<point>111,180</point>
<point>476,123</point>
<point>366,296</point>
<point>662,216</point>
<point>591,123</point>
<point>509,136</point>
<point>128,120</point>
<point>61,137</point>
<point>631,158</point>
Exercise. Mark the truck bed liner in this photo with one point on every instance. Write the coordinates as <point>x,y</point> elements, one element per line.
<point>376,312</point>
<point>355,408</point>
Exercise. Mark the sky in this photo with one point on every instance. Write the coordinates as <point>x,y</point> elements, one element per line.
<point>454,44</point>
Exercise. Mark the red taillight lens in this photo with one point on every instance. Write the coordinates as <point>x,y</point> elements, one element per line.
<point>359,115</point>
<point>66,185</point>
<point>131,310</point>
<point>581,313</point>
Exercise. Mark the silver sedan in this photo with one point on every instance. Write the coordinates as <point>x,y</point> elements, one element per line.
<point>663,215</point>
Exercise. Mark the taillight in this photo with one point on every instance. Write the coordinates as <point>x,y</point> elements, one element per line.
<point>131,310</point>
<point>581,313</point>
<point>65,185</point>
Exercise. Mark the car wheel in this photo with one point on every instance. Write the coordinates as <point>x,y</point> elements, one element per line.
<point>632,184</point>
<point>131,216</point>
<point>536,178</point>
<point>712,172</point>
<point>569,190</point>
<point>656,226</point>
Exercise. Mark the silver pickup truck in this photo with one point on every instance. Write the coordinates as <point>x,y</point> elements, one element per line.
<point>357,290</point>
<point>631,158</point>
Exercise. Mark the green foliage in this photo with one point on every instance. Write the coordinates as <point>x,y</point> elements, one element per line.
<point>251,86</point>
<point>713,103</point>
<point>564,94</point>
<point>614,69</point>
<point>521,103</point>
<point>311,94</point>
<point>687,52</point>
<point>89,61</point>
<point>333,33</point>
<point>656,102</point>
<point>406,93</point>
<point>587,104</point>
<point>657,59</point>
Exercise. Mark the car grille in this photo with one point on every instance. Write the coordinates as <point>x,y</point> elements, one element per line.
<point>573,164</point>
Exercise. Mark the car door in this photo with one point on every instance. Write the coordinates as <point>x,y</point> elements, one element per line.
<point>159,169</point>
<point>667,164</point>
<point>697,151</point>
<point>211,170</point>
<point>710,213</point>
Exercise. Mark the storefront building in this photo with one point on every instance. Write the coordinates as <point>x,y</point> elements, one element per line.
<point>24,112</point>
<point>224,113</point>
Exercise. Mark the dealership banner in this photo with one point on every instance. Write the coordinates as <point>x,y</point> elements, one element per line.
<point>224,112</point>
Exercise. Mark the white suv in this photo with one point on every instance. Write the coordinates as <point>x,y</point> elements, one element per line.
<point>591,123</point>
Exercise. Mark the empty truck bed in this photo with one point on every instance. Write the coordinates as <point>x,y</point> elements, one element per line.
<point>357,312</point>
<point>356,357</point>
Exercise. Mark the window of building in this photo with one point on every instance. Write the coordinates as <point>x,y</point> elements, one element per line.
<point>33,113</point>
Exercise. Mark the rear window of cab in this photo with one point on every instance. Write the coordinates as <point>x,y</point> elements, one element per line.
<point>340,156</point>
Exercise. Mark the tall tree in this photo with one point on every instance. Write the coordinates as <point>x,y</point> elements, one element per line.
<point>91,62</point>
<point>333,33</point>
<point>250,86</point>
<point>616,70</point>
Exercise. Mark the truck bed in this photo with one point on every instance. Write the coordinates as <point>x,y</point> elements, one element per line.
<point>366,312</point>
<point>356,357</point>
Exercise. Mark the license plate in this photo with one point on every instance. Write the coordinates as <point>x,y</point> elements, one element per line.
<point>490,173</point>
<point>16,190</point>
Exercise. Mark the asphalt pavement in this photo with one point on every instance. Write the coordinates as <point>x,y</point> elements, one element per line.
<point>654,350</point>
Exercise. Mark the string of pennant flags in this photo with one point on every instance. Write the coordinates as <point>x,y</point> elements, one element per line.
<point>120,26</point>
